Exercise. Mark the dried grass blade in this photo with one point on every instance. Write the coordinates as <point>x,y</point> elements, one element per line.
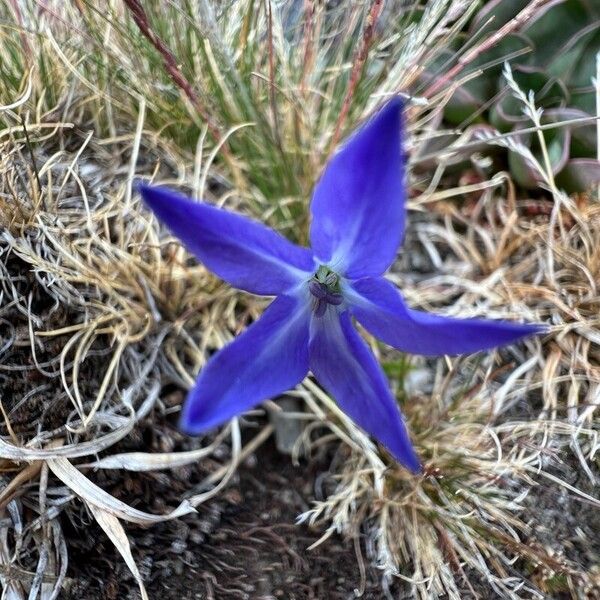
<point>17,484</point>
<point>16,453</point>
<point>92,494</point>
<point>9,583</point>
<point>114,530</point>
<point>146,461</point>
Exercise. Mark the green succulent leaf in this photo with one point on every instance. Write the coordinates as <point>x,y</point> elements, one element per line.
<point>583,135</point>
<point>554,25</point>
<point>554,55</point>
<point>579,174</point>
<point>575,63</point>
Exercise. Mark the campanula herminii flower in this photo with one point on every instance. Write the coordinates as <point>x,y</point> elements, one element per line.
<point>358,214</point>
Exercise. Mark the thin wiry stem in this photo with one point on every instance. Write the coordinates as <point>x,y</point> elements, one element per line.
<point>464,61</point>
<point>357,66</point>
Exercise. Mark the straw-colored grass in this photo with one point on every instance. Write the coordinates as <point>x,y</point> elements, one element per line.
<point>241,103</point>
<point>496,430</point>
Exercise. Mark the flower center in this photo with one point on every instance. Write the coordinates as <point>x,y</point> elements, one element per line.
<point>325,289</point>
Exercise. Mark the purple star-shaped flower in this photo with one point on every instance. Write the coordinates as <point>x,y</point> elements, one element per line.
<point>358,213</point>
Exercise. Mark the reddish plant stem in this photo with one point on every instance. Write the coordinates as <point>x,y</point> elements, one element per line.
<point>170,63</point>
<point>272,101</point>
<point>357,66</point>
<point>470,56</point>
<point>309,15</point>
<point>24,42</point>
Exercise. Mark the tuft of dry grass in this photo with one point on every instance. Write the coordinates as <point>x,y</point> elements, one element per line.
<point>240,103</point>
<point>495,430</point>
<point>99,309</point>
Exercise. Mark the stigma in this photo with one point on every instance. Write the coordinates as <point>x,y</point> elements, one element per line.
<point>325,290</point>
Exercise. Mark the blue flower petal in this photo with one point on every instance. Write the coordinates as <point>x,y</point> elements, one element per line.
<point>270,357</point>
<point>244,253</point>
<point>344,365</point>
<point>358,204</point>
<point>378,306</point>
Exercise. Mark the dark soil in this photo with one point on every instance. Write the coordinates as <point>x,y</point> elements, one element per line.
<point>242,545</point>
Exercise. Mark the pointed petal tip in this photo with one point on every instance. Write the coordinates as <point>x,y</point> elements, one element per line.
<point>379,307</point>
<point>160,198</point>
<point>195,420</point>
<point>345,366</point>
<point>242,251</point>
<point>358,204</point>
<point>141,187</point>
<point>414,465</point>
<point>388,116</point>
<point>394,105</point>
<point>186,427</point>
<point>514,331</point>
<point>407,457</point>
<point>537,328</point>
<point>152,195</point>
<point>186,423</point>
<point>242,374</point>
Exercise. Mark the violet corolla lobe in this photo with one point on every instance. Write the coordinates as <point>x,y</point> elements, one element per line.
<point>358,218</point>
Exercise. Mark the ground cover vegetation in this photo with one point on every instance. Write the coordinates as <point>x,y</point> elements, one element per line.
<point>105,319</point>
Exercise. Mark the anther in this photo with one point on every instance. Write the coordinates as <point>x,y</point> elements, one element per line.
<point>325,289</point>
<point>331,279</point>
<point>318,290</point>
<point>335,299</point>
<point>320,308</point>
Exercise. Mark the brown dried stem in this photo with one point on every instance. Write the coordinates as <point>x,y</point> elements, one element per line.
<point>170,63</point>
<point>357,66</point>
<point>488,43</point>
